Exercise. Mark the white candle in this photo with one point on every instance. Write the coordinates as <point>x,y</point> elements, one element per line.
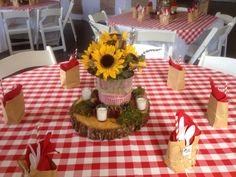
<point>86,94</point>
<point>141,103</point>
<point>102,113</point>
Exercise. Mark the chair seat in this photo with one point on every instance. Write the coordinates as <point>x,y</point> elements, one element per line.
<point>18,30</point>
<point>17,26</point>
<point>50,28</point>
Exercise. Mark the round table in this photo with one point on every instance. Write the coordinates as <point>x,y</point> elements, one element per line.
<point>142,152</point>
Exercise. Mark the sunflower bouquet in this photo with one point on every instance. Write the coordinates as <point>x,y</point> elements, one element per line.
<point>112,58</point>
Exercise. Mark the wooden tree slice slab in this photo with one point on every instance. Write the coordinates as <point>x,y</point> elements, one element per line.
<point>110,129</point>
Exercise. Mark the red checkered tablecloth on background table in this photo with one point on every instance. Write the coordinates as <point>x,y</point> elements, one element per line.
<point>187,31</point>
<point>139,154</point>
<point>41,4</point>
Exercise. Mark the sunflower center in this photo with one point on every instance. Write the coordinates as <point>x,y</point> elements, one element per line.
<point>107,61</point>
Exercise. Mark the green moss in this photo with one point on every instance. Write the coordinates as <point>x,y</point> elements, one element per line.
<point>85,108</point>
<point>139,91</point>
<point>130,117</point>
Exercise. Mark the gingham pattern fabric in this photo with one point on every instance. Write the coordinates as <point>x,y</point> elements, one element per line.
<point>139,154</point>
<point>30,7</point>
<point>187,31</point>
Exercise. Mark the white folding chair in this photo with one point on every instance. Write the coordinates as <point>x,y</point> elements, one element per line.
<point>152,39</point>
<point>220,38</point>
<point>23,60</point>
<point>68,19</point>
<point>225,17</point>
<point>224,64</point>
<point>227,20</point>
<point>99,17</point>
<point>98,29</point>
<point>17,23</point>
<point>51,22</point>
<point>194,52</point>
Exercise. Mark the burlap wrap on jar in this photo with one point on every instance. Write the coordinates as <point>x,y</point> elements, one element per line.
<point>114,92</point>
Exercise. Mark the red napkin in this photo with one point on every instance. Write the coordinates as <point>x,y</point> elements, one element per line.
<point>137,6</point>
<point>15,91</point>
<point>70,64</point>
<point>46,147</point>
<point>187,123</point>
<point>175,65</point>
<point>149,4</point>
<point>219,95</point>
<point>174,3</point>
<point>190,9</point>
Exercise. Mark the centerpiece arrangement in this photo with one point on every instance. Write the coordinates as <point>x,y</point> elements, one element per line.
<point>114,108</point>
<point>113,62</point>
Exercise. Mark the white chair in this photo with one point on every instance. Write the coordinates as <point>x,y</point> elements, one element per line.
<point>221,39</point>
<point>17,23</point>
<point>224,64</point>
<point>98,29</point>
<point>194,52</point>
<point>212,43</point>
<point>225,17</point>
<point>154,38</point>
<point>68,19</point>
<point>23,60</point>
<point>227,20</point>
<point>51,23</point>
<point>99,17</point>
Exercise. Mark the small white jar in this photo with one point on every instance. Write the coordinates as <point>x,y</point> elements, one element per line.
<point>141,103</point>
<point>101,112</point>
<point>86,94</point>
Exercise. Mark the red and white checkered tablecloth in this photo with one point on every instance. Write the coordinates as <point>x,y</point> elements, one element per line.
<point>41,4</point>
<point>139,154</point>
<point>187,31</point>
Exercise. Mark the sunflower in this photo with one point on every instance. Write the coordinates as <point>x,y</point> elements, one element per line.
<point>125,36</point>
<point>139,65</point>
<point>115,39</point>
<point>130,49</point>
<point>108,61</point>
<point>87,57</point>
<point>104,37</point>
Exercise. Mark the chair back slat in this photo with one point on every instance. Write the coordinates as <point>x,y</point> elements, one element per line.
<point>99,17</point>
<point>203,45</point>
<point>15,14</point>
<point>23,60</point>
<point>223,64</point>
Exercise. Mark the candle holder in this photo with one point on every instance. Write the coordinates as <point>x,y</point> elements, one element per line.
<point>101,110</point>
<point>86,94</point>
<point>141,102</point>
